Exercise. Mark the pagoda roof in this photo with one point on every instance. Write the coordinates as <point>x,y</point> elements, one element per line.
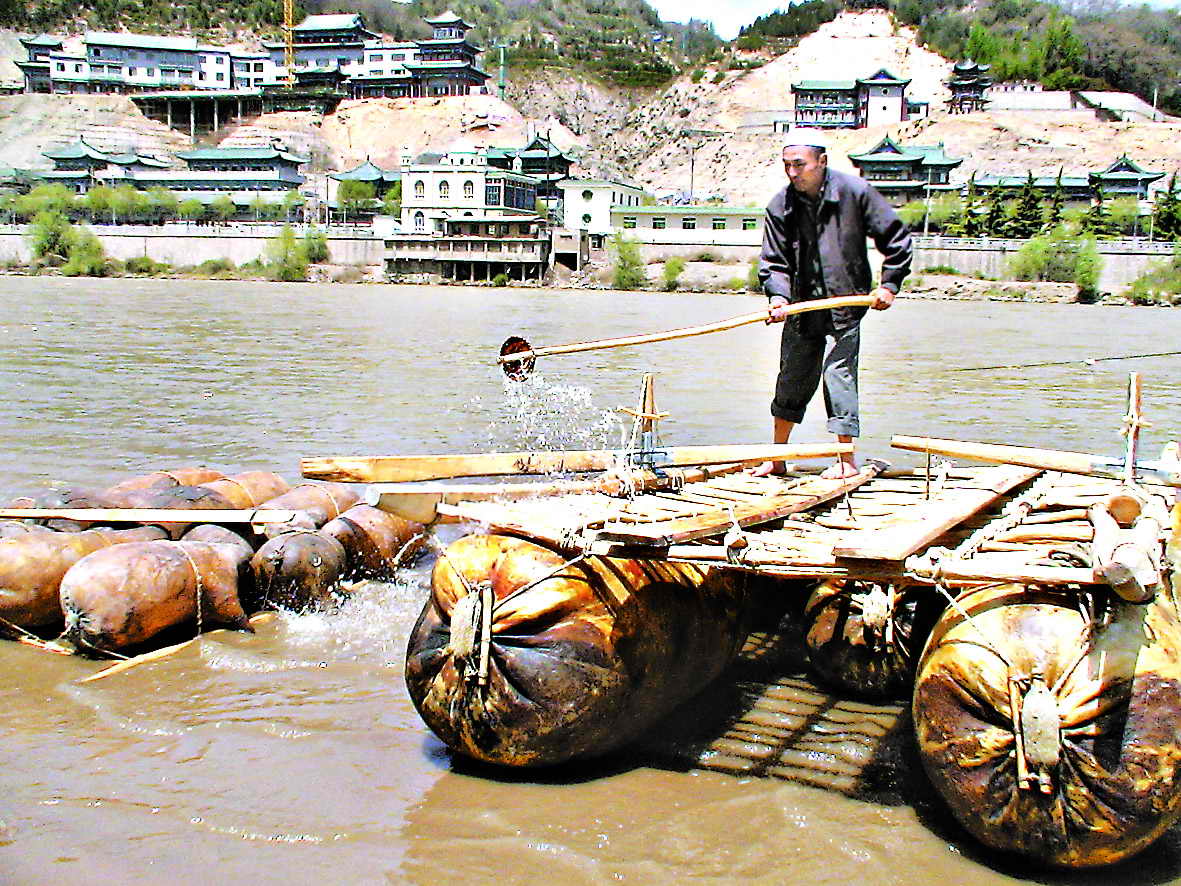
<point>849,85</point>
<point>240,154</point>
<point>968,65</point>
<point>447,18</point>
<point>1126,169</point>
<point>367,172</point>
<point>334,22</point>
<point>889,150</point>
<point>987,180</point>
<point>79,150</point>
<point>882,76</point>
<point>131,159</point>
<point>140,41</point>
<point>41,40</point>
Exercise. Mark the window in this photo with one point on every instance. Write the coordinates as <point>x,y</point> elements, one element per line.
<point>719,224</point>
<point>258,66</point>
<point>749,224</point>
<point>419,189</point>
<point>469,189</point>
<point>78,69</point>
<point>444,190</point>
<point>689,223</point>
<point>151,72</point>
<point>659,223</point>
<point>221,75</point>
<point>419,221</point>
<point>629,221</point>
<point>587,195</point>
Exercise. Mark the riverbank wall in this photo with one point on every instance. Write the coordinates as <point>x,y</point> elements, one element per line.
<point>181,244</point>
<point>1123,260</point>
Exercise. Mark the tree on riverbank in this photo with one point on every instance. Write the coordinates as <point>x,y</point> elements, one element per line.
<point>288,257</point>
<point>629,266</point>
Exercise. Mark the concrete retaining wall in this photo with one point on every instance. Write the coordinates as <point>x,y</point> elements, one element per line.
<point>1123,260</point>
<point>181,244</point>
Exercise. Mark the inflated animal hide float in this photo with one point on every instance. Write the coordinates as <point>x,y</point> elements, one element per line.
<point>1051,724</point>
<point>33,563</point>
<point>124,595</point>
<point>300,568</point>
<point>522,659</point>
<point>864,637</point>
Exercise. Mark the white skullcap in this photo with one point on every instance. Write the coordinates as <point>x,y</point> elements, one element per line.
<point>811,138</point>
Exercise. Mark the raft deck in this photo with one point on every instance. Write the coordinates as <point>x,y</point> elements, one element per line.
<point>953,526</point>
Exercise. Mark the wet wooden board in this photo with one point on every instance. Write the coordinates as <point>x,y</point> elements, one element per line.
<point>718,520</point>
<point>921,523</point>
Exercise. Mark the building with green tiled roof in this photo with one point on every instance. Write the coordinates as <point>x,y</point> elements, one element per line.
<point>877,99</point>
<point>906,172</point>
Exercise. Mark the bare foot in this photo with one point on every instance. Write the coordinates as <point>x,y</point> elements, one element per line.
<point>768,469</point>
<point>840,471</point>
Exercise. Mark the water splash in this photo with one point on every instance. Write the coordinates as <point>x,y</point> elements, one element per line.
<point>536,415</point>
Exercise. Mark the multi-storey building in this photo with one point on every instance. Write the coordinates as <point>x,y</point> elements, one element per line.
<point>852,104</point>
<point>906,172</point>
<point>587,205</point>
<point>243,174</point>
<point>462,183</point>
<point>1121,178</point>
<point>968,82</point>
<point>336,52</point>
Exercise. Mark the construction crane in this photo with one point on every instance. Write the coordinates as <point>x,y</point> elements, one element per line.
<point>289,41</point>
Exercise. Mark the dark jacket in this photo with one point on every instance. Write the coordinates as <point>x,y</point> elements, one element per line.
<point>850,212</point>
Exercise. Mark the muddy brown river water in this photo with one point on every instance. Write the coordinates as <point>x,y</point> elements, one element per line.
<point>294,756</point>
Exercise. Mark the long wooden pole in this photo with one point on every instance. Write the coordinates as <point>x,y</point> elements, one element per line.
<point>1167,474</point>
<point>843,301</point>
<point>413,468</point>
<point>153,515</point>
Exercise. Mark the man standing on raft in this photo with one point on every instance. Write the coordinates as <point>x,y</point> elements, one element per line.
<point>814,247</point>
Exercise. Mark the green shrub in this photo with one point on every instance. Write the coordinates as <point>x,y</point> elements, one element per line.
<point>736,284</point>
<point>629,268</point>
<point>500,279</point>
<point>673,266</point>
<point>705,255</point>
<point>212,266</point>
<point>288,262</point>
<point>719,77</point>
<point>939,269</point>
<point>1160,284</point>
<point>1087,266</point>
<point>50,234</point>
<point>1050,256</point>
<point>696,76</point>
<point>141,264</point>
<point>315,245</point>
<point>86,257</point>
<point>912,214</point>
<point>752,276</point>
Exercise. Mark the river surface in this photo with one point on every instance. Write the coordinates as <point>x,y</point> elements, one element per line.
<point>295,756</point>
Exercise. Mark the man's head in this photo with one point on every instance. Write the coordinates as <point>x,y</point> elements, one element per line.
<point>805,165</point>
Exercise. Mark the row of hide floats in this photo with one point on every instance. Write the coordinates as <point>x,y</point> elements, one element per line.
<point>114,589</point>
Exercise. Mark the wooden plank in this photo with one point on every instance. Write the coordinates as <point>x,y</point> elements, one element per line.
<point>1168,473</point>
<point>923,523</point>
<point>413,468</point>
<point>717,521</point>
<point>153,515</point>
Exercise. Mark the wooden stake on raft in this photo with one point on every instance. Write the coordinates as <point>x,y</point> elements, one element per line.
<point>1165,473</point>
<point>518,361</point>
<point>414,468</point>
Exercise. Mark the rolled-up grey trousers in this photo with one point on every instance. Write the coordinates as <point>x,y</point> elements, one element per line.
<point>803,360</point>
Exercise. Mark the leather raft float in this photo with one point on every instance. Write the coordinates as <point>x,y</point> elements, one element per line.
<point>1029,609</point>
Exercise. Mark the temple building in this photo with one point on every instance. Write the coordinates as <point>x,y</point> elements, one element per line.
<point>906,172</point>
<point>968,82</point>
<point>244,174</point>
<point>852,104</point>
<point>1122,178</point>
<point>541,159</point>
<point>334,52</point>
<point>369,172</point>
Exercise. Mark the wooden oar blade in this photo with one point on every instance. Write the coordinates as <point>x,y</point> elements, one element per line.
<point>415,468</point>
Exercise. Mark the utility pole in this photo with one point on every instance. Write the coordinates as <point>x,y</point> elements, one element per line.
<point>503,84</point>
<point>927,214</point>
<point>289,41</point>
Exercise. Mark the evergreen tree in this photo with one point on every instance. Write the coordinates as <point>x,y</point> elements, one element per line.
<point>1097,221</point>
<point>1054,216</point>
<point>1027,218</point>
<point>1166,212</point>
<point>971,223</point>
<point>994,218</point>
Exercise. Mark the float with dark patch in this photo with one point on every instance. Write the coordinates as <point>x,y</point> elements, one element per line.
<point>521,659</point>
